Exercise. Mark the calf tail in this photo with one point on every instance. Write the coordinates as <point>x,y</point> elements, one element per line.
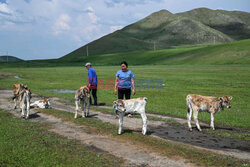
<point>189,105</point>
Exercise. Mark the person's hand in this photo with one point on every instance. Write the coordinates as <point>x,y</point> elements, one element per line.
<point>89,85</point>
<point>133,91</point>
<point>115,90</point>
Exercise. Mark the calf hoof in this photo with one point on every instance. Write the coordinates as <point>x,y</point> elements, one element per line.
<point>190,129</point>
<point>27,117</point>
<point>212,128</point>
<point>200,130</point>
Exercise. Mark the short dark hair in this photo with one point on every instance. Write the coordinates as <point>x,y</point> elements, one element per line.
<point>124,62</point>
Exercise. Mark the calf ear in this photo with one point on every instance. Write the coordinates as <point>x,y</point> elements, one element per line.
<point>230,98</point>
<point>221,99</point>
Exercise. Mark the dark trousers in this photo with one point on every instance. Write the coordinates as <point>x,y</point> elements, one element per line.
<point>124,91</point>
<point>94,91</point>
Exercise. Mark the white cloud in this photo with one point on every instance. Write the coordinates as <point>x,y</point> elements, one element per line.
<point>4,8</point>
<point>62,24</point>
<point>75,23</point>
<point>114,28</point>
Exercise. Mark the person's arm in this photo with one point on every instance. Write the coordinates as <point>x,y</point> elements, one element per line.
<point>90,79</point>
<point>133,85</point>
<point>116,82</point>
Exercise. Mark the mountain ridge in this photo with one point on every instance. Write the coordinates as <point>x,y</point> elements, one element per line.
<point>163,29</point>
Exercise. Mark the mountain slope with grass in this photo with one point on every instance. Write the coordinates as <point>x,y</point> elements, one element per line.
<point>235,24</point>
<point>162,30</point>
<point>237,52</point>
<point>6,58</point>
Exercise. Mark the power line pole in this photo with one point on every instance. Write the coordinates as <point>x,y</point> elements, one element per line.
<point>7,57</point>
<point>87,50</point>
<point>154,45</point>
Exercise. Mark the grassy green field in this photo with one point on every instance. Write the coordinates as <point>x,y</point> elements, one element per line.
<point>179,80</point>
<point>25,143</point>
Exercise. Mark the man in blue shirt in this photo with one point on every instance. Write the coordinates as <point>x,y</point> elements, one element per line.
<point>124,81</point>
<point>92,82</point>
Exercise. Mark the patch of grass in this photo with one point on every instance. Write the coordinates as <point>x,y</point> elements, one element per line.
<point>226,133</point>
<point>170,149</point>
<point>25,143</point>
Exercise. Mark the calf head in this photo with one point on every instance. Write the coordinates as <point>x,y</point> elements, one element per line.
<point>46,103</point>
<point>225,101</point>
<point>84,92</point>
<point>119,106</point>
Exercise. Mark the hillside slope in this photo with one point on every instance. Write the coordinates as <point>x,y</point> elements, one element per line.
<point>235,24</point>
<point>6,58</point>
<point>163,29</point>
<point>237,52</point>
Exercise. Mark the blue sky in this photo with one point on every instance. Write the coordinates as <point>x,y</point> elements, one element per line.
<point>44,29</point>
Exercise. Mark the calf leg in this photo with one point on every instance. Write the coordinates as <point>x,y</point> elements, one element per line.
<point>121,114</point>
<point>28,108</point>
<point>23,110</point>
<point>77,107</point>
<point>212,121</point>
<point>87,102</point>
<point>196,119</point>
<point>189,115</point>
<point>83,109</point>
<point>144,123</point>
<point>15,103</point>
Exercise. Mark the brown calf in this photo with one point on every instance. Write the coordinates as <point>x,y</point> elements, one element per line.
<point>17,89</point>
<point>82,97</point>
<point>197,103</point>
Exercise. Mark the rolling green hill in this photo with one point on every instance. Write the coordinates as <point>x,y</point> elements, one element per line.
<point>9,59</point>
<point>163,30</point>
<point>237,52</point>
<point>235,24</point>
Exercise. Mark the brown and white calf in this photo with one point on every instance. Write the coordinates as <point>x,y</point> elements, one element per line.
<point>82,97</point>
<point>17,88</point>
<point>45,103</point>
<point>197,103</point>
<point>24,99</point>
<point>137,105</point>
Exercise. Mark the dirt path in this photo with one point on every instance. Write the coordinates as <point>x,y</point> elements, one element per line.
<point>135,155</point>
<point>179,133</point>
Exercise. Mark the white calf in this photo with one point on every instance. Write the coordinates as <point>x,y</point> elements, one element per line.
<point>137,105</point>
<point>82,96</point>
<point>24,98</point>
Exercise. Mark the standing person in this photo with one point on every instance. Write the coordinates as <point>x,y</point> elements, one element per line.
<point>124,81</point>
<point>92,82</point>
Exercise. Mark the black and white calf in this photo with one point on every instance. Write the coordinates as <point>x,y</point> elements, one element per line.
<point>137,105</point>
<point>82,96</point>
